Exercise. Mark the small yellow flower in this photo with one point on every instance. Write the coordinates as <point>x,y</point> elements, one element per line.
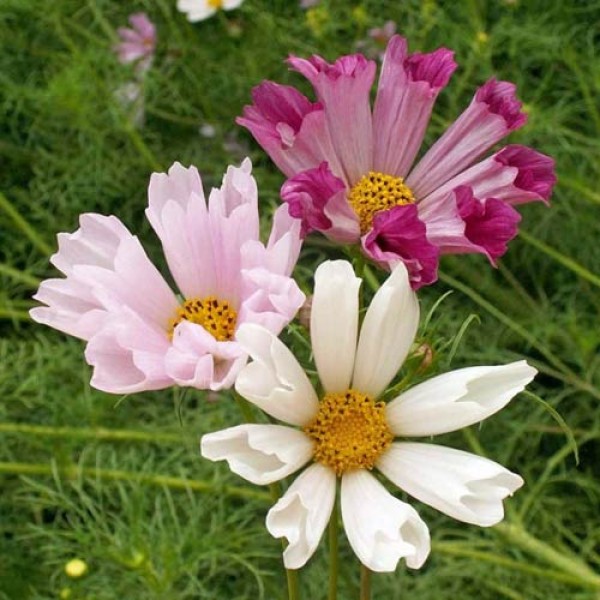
<point>76,568</point>
<point>65,594</point>
<point>482,37</point>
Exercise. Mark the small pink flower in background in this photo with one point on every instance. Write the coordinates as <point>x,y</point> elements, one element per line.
<point>142,336</point>
<point>382,35</point>
<point>198,10</point>
<point>351,168</point>
<point>309,3</point>
<point>138,43</point>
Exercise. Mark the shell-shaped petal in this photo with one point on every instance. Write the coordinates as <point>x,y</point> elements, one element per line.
<point>387,333</point>
<point>260,454</point>
<point>302,514</point>
<point>70,307</point>
<point>457,399</point>
<point>459,484</point>
<point>197,359</point>
<point>380,528</point>
<point>274,381</point>
<point>334,323</point>
<point>128,354</point>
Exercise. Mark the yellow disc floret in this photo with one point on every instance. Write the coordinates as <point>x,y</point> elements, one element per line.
<point>349,431</point>
<point>216,316</point>
<point>376,192</point>
<point>215,3</point>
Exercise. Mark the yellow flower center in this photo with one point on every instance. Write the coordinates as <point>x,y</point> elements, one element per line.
<point>375,192</point>
<point>350,431</point>
<point>216,316</point>
<point>216,4</point>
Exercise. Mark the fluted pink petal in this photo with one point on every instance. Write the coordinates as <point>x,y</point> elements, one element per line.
<point>306,195</point>
<point>133,282</point>
<point>178,214</point>
<point>515,174</point>
<point>196,359</point>
<point>489,224</point>
<point>277,112</point>
<point>96,242</point>
<point>344,88</point>
<point>270,300</point>
<point>292,130</point>
<point>445,227</point>
<point>407,90</point>
<point>285,241</point>
<point>345,226</point>
<point>399,235</point>
<point>72,305</point>
<point>128,355</point>
<point>70,308</point>
<point>283,248</point>
<point>493,113</point>
<point>233,215</point>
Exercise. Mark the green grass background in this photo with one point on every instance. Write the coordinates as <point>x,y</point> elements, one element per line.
<point>102,478</point>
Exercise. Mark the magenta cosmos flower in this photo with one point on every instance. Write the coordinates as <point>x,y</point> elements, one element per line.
<point>137,42</point>
<point>141,335</point>
<point>351,172</point>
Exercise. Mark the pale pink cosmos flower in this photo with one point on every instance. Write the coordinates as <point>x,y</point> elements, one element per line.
<point>351,169</point>
<point>138,43</point>
<point>343,431</point>
<point>141,335</point>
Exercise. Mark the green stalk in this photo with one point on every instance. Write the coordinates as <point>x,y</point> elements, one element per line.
<point>365,583</point>
<point>515,534</point>
<point>153,479</point>
<point>333,553</point>
<point>26,229</point>
<point>561,258</point>
<point>97,433</point>
<point>20,276</point>
<point>275,493</point>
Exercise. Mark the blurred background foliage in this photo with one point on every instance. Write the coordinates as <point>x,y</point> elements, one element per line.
<point>118,482</point>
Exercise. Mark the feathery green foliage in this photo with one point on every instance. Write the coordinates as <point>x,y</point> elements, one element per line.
<point>104,479</point>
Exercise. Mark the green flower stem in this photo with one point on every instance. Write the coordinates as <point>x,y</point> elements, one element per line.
<point>560,258</point>
<point>15,315</point>
<point>26,229</point>
<point>333,552</point>
<point>566,562</point>
<point>20,276</point>
<point>153,479</point>
<point>97,433</point>
<point>365,583</point>
<point>466,551</point>
<point>275,492</point>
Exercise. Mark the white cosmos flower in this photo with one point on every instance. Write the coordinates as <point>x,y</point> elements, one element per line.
<point>346,433</point>
<point>198,10</point>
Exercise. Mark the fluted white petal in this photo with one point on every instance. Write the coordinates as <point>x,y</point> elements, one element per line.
<point>302,514</point>
<point>261,454</point>
<point>457,399</point>
<point>459,484</point>
<point>334,323</point>
<point>381,529</point>
<point>274,381</point>
<point>387,333</point>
